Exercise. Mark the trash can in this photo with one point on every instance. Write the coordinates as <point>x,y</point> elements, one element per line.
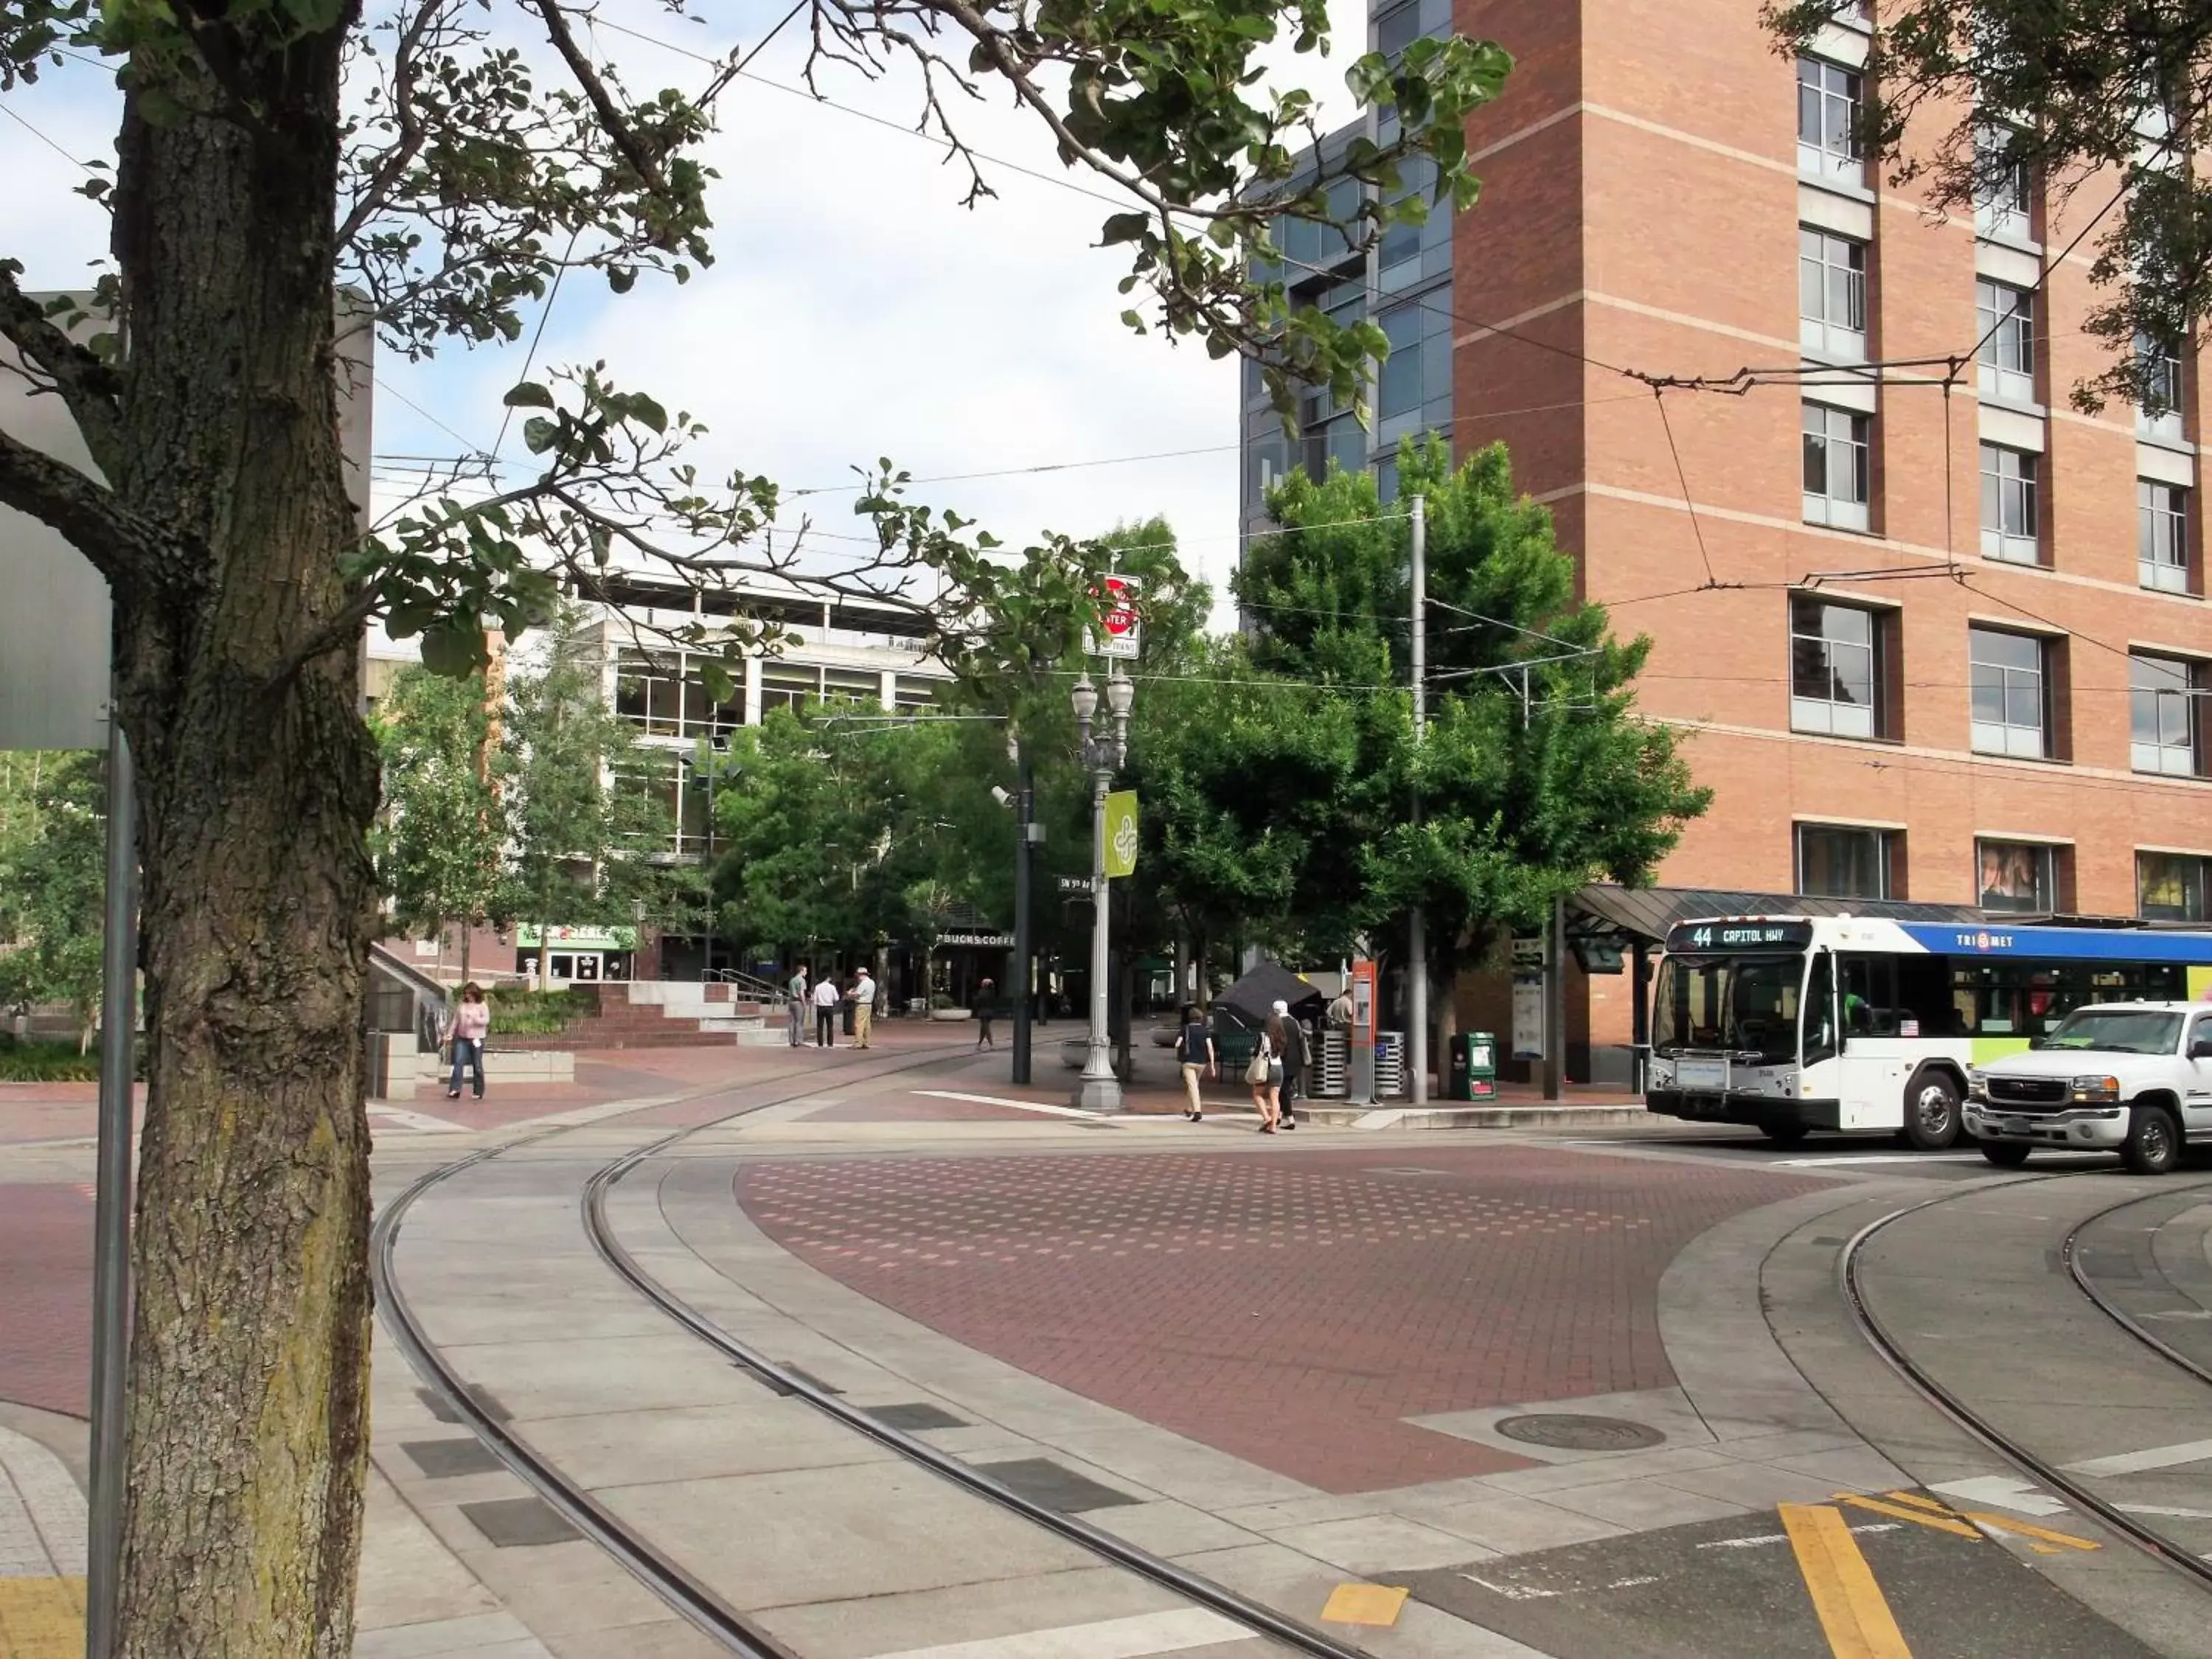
<point>1389,1065</point>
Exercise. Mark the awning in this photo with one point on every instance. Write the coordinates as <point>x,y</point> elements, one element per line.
<point>1252,997</point>
<point>1643,914</point>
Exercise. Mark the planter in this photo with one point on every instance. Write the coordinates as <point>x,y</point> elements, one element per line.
<point>950,1014</point>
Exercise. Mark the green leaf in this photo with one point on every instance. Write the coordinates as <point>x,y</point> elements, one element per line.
<point>529,395</point>
<point>1124,227</point>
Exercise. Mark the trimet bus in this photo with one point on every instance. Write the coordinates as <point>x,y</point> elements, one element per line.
<point>1801,1022</point>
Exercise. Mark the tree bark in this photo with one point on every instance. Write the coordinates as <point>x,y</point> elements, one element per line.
<point>248,1399</point>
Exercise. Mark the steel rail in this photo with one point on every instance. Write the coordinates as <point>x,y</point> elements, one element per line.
<point>1877,1337</point>
<point>2069,1252</point>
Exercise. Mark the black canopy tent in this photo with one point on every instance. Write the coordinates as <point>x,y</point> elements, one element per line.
<point>1253,997</point>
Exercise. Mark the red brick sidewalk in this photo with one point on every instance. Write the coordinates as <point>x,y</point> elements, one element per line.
<point>1290,1308</point>
<point>45,1296</point>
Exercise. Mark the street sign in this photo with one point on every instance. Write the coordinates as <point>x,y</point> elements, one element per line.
<point>1079,886</point>
<point>1120,833</point>
<point>1124,630</point>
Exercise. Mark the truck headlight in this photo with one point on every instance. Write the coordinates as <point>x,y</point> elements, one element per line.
<point>1977,1088</point>
<point>2097,1091</point>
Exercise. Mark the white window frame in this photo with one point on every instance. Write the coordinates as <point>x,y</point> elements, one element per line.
<point>2161,535</point>
<point>2166,427</point>
<point>2005,321</point>
<point>1832,155</point>
<point>2011,514</point>
<point>2006,737</point>
<point>1856,465</point>
<point>2003,212</point>
<point>2171,708</point>
<point>1842,340</point>
<point>1829,714</point>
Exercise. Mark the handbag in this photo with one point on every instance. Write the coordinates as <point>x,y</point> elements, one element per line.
<point>1256,1072</point>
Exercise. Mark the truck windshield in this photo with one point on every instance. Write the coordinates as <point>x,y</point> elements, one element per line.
<point>1744,1004</point>
<point>2123,1031</point>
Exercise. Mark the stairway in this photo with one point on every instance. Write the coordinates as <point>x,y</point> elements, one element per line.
<point>661,1014</point>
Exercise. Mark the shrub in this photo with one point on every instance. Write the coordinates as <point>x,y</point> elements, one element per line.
<point>517,1012</point>
<point>41,1061</point>
<point>940,1000</point>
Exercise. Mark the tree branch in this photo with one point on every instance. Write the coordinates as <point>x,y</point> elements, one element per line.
<point>409,140</point>
<point>90,387</point>
<point>642,160</point>
<point>121,546</point>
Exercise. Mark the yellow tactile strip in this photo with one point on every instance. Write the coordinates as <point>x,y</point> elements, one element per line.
<point>41,1618</point>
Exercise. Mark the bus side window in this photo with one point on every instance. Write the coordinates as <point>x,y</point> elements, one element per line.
<point>1820,1041</point>
<point>1869,996</point>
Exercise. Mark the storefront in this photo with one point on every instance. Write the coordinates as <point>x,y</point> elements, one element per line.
<point>576,956</point>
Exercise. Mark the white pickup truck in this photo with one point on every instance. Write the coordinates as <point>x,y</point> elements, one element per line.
<point>2133,1078</point>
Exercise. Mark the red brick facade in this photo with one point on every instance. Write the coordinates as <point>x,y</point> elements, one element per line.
<point>1641,204</point>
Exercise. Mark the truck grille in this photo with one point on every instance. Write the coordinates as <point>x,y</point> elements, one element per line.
<point>2045,1091</point>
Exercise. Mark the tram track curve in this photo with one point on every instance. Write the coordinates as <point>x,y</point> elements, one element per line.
<point>2045,1473</point>
<point>680,1590</point>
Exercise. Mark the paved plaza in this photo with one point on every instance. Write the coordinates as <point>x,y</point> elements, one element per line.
<point>1521,1394</point>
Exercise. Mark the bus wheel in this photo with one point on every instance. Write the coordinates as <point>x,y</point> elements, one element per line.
<point>1931,1111</point>
<point>1784,1135</point>
<point>2154,1142</point>
<point>2006,1154</point>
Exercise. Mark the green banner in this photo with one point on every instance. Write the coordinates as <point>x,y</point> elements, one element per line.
<point>1121,833</point>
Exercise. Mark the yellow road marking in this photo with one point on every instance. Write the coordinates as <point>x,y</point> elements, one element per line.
<point>2041,1539</point>
<point>1944,1522</point>
<point>1853,1613</point>
<point>1365,1604</point>
<point>41,1618</point>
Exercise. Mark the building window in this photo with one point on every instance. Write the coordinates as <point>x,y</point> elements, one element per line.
<point>1828,102</point>
<point>2162,535</point>
<point>2017,875</point>
<point>2170,886</point>
<point>2011,715</point>
<point>910,694</point>
<point>2160,415</point>
<point>2001,187</point>
<point>2008,518</point>
<point>1397,394</point>
<point>2163,693</point>
<point>1836,862</point>
<point>1832,309</point>
<point>786,686</point>
<point>2005,325</point>
<point>1837,469</point>
<point>1835,669</point>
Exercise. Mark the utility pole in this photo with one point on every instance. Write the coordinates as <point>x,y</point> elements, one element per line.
<point>1417,930</point>
<point>1555,1002</point>
<point>1024,857</point>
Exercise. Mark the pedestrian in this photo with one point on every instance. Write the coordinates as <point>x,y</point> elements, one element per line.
<point>987,1009</point>
<point>864,1008</point>
<point>1195,1050</point>
<point>1339,1012</point>
<point>469,1024</point>
<point>1260,1075</point>
<point>1290,1044</point>
<point>794,1005</point>
<point>826,999</point>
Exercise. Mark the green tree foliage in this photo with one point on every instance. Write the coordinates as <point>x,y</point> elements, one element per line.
<point>1960,93</point>
<point>53,870</point>
<point>587,803</point>
<point>441,841</point>
<point>1535,774</point>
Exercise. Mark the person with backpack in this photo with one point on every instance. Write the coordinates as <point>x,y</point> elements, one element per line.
<point>1195,1050</point>
<point>1292,1046</point>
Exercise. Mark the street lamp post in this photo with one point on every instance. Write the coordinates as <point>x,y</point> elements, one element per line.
<point>1099,1089</point>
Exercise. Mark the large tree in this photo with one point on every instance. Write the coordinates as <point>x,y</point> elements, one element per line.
<point>268,152</point>
<point>2105,103</point>
<point>441,841</point>
<point>52,871</point>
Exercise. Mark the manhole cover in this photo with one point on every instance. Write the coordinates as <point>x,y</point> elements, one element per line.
<point>1571,1432</point>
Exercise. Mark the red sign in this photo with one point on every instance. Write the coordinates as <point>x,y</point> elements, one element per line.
<point>1117,600</point>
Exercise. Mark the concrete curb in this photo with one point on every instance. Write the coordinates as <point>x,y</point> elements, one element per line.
<point>1544,1116</point>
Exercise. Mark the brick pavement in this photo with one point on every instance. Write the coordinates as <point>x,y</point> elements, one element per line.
<point>45,1296</point>
<point>1288,1307</point>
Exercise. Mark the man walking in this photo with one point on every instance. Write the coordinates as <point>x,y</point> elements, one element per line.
<point>987,1009</point>
<point>825,1011</point>
<point>1294,1065</point>
<point>864,1008</point>
<point>794,1007</point>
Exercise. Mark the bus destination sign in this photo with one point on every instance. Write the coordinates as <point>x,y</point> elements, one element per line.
<point>1693,936</point>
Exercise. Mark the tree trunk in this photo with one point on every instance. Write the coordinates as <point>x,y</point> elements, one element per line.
<point>468,930</point>
<point>248,1392</point>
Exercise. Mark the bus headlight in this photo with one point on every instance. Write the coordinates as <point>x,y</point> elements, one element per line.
<point>2097,1091</point>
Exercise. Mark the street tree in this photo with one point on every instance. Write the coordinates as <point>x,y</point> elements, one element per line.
<point>2103,103</point>
<point>588,805</point>
<point>441,841</point>
<point>1534,774</point>
<point>269,151</point>
<point>53,870</point>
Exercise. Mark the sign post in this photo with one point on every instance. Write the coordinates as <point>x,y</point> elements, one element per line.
<point>1124,632</point>
<point>1361,1083</point>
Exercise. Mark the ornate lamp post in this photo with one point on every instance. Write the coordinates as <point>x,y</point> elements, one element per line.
<point>1099,1089</point>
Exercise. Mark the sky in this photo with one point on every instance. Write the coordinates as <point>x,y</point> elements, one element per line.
<point>856,309</point>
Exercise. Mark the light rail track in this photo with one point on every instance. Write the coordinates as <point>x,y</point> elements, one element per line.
<point>2137,1529</point>
<point>681,1591</point>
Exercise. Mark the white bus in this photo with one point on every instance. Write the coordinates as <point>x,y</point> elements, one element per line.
<point>1793,1024</point>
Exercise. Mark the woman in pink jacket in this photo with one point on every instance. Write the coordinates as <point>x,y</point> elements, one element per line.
<point>472,1021</point>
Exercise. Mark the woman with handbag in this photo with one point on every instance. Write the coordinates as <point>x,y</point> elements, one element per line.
<point>469,1024</point>
<point>1261,1074</point>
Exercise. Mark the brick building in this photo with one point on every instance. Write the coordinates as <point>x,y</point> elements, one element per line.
<point>1944,647</point>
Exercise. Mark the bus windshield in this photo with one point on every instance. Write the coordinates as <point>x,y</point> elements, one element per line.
<point>1744,1004</point>
<point>2123,1031</point>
